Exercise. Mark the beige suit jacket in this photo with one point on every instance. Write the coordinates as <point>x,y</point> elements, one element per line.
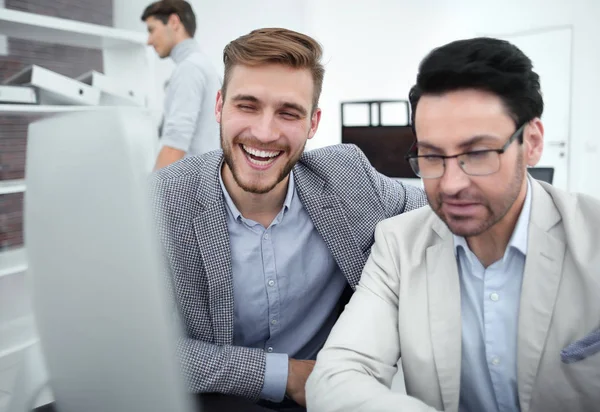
<point>408,304</point>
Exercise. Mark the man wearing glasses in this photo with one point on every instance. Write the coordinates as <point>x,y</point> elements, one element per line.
<point>490,299</point>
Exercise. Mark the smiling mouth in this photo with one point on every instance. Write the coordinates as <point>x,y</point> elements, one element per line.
<point>260,157</point>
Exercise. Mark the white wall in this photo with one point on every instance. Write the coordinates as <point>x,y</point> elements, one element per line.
<point>373,50</point>
<point>219,22</point>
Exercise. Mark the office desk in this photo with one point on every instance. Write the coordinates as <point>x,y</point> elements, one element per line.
<point>210,403</point>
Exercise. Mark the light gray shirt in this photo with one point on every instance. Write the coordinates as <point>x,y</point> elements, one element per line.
<point>286,287</point>
<point>490,312</point>
<point>189,118</point>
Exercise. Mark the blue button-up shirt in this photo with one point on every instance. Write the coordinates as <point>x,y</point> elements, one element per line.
<point>286,287</point>
<point>490,311</point>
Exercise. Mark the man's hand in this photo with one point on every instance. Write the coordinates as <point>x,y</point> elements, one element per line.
<point>298,373</point>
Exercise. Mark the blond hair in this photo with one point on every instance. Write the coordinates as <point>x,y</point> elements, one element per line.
<point>280,46</point>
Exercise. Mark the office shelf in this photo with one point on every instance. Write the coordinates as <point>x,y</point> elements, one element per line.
<point>30,26</point>
<point>12,186</point>
<point>125,57</point>
<point>17,335</point>
<point>12,262</point>
<point>37,111</point>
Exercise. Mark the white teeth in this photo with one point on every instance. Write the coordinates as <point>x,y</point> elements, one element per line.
<point>260,153</point>
<point>261,162</point>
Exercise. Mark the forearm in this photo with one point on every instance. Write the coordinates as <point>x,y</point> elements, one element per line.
<point>226,369</point>
<point>345,390</point>
<point>168,155</point>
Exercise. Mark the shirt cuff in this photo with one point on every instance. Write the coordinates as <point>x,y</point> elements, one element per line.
<point>276,375</point>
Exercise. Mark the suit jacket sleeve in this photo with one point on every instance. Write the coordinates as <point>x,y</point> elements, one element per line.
<point>207,367</point>
<point>231,370</point>
<point>354,370</point>
<point>395,196</point>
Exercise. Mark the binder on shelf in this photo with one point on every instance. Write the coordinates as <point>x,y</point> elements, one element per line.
<point>17,95</point>
<point>112,93</point>
<point>55,89</point>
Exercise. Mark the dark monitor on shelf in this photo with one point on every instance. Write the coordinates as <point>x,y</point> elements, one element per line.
<point>545,174</point>
<point>384,146</point>
<point>380,129</point>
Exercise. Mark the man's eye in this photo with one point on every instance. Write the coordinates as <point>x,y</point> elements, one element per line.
<point>431,159</point>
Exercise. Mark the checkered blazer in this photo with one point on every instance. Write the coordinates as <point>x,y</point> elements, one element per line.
<point>345,198</point>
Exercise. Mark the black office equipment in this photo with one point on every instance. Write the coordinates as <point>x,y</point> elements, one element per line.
<point>545,174</point>
<point>385,143</point>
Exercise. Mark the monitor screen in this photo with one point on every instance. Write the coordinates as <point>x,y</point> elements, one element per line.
<point>545,174</point>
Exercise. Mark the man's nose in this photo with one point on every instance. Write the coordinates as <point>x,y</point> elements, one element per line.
<point>265,129</point>
<point>454,178</point>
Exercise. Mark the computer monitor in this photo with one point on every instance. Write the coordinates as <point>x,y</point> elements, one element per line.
<point>545,174</point>
<point>100,302</point>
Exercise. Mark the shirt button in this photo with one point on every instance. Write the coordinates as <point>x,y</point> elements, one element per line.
<point>269,349</point>
<point>266,236</point>
<point>494,296</point>
<point>273,322</point>
<point>271,282</point>
<point>495,360</point>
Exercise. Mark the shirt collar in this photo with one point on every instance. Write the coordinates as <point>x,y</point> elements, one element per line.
<point>518,239</point>
<point>234,210</point>
<point>182,50</point>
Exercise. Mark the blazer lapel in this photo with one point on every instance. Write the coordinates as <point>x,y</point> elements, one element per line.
<point>330,220</point>
<point>541,279</point>
<point>212,235</point>
<point>445,315</point>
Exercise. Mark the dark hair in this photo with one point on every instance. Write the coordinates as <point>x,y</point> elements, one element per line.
<point>163,9</point>
<point>280,46</point>
<point>483,63</point>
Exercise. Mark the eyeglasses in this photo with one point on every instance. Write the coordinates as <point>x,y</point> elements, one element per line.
<point>474,163</point>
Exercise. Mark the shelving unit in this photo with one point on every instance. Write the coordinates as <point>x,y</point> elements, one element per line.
<point>47,29</point>
<point>13,262</point>
<point>125,57</point>
<point>16,335</point>
<point>12,186</point>
<point>37,111</point>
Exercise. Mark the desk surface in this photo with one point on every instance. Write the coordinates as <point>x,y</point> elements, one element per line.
<point>210,403</point>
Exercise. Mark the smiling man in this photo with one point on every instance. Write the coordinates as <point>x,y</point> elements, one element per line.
<point>266,241</point>
<point>488,298</point>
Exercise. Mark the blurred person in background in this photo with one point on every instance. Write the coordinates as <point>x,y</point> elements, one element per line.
<point>188,126</point>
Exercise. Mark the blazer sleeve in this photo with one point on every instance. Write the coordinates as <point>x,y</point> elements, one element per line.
<point>354,370</point>
<point>227,369</point>
<point>396,197</point>
<point>207,367</point>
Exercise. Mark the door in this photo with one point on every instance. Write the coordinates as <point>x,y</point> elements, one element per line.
<point>550,51</point>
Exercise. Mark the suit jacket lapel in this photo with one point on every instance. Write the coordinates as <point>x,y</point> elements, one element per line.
<point>541,279</point>
<point>445,315</point>
<point>213,239</point>
<point>330,220</point>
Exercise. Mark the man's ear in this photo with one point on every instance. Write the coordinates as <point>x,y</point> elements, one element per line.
<point>219,106</point>
<point>533,141</point>
<point>314,122</point>
<point>174,21</point>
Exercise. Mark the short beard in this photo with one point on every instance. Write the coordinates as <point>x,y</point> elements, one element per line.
<point>228,157</point>
<point>493,217</point>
